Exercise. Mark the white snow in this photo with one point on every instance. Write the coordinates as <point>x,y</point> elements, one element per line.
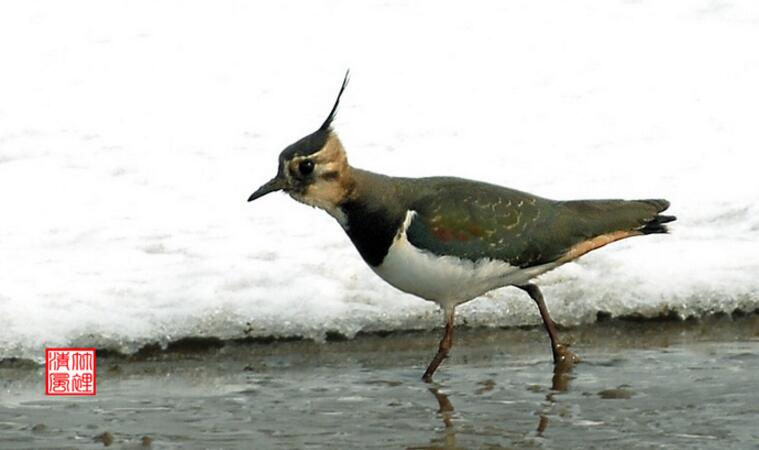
<point>131,134</point>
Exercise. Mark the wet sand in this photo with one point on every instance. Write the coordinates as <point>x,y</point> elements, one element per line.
<point>641,385</point>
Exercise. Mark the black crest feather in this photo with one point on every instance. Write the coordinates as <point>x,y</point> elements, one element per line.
<point>328,122</point>
<point>315,141</point>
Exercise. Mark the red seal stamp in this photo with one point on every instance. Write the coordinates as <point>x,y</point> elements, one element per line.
<point>70,371</point>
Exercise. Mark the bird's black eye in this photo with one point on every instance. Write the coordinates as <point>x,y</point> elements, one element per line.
<point>305,167</point>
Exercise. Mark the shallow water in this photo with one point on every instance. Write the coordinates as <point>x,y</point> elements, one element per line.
<point>650,385</point>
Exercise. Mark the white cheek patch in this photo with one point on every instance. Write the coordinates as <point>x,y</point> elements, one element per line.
<point>323,188</point>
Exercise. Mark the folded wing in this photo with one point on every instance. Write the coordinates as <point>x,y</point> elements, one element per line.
<point>475,220</point>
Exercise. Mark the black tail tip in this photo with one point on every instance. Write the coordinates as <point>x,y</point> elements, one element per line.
<point>658,224</point>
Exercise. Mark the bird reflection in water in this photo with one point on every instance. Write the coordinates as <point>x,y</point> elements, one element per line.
<point>445,411</point>
<point>560,381</point>
<point>562,375</point>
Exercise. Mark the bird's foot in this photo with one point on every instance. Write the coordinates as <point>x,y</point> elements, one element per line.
<point>563,357</point>
<point>427,377</point>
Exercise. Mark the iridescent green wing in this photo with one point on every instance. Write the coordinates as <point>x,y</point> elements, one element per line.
<point>475,220</point>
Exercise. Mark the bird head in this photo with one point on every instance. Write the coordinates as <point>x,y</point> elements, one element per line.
<point>313,170</point>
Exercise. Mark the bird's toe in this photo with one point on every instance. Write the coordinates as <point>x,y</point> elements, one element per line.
<point>563,356</point>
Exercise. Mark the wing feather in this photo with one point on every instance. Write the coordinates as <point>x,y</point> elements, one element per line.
<point>476,220</point>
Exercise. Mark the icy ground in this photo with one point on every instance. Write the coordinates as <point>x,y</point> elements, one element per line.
<point>132,133</point>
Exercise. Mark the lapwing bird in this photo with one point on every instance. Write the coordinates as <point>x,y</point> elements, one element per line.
<point>451,240</point>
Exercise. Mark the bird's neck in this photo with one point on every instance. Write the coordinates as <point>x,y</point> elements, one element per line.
<point>372,214</point>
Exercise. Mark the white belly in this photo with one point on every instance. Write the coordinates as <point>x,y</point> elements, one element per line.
<point>447,280</point>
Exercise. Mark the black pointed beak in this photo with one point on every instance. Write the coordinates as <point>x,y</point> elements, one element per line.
<point>275,184</point>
